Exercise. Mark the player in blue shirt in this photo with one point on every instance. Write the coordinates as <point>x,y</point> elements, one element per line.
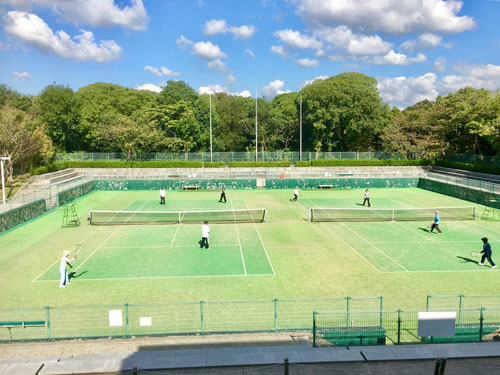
<point>435,224</point>
<point>486,253</point>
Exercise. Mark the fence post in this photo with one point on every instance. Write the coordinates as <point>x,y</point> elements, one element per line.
<point>460,306</point>
<point>399,326</point>
<point>49,335</point>
<point>481,320</point>
<point>381,312</point>
<point>201,316</point>
<point>347,309</point>
<point>275,314</point>
<point>127,332</point>
<point>428,301</point>
<point>314,329</point>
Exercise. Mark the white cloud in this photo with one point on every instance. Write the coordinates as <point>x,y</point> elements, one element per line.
<point>440,64</point>
<point>230,80</point>
<point>309,81</point>
<point>205,51</point>
<point>99,13</point>
<point>342,37</point>
<point>214,27</point>
<point>394,58</point>
<point>250,53</point>
<point>32,30</point>
<point>477,76</point>
<point>294,39</point>
<point>279,50</point>
<point>162,72</point>
<point>274,88</point>
<point>149,87</point>
<point>424,41</point>
<point>212,89</point>
<point>24,76</point>
<point>307,62</point>
<point>388,16</point>
<point>321,53</point>
<point>244,93</point>
<point>405,91</point>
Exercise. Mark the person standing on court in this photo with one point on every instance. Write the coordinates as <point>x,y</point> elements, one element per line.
<point>162,195</point>
<point>367,198</point>
<point>205,232</point>
<point>222,195</point>
<point>486,253</point>
<point>435,224</point>
<point>64,280</point>
<point>296,194</point>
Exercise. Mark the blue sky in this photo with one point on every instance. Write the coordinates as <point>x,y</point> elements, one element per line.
<point>415,49</point>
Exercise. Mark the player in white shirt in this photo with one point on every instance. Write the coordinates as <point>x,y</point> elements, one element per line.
<point>64,280</point>
<point>162,195</point>
<point>205,232</point>
<point>295,194</point>
<point>367,198</point>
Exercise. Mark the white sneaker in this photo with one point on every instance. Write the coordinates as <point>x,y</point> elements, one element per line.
<point>61,286</point>
<point>495,266</point>
<point>480,264</point>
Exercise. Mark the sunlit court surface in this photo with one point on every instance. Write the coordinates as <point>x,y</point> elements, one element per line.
<point>282,254</point>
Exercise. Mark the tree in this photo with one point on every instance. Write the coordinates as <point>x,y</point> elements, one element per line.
<point>20,139</point>
<point>233,112</point>
<point>59,110</point>
<point>285,124</point>
<point>176,91</point>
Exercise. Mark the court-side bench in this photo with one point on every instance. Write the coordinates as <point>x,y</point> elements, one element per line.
<point>21,324</point>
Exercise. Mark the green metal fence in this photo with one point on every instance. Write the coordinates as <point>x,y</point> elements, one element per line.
<point>19,215</point>
<point>173,318</point>
<point>341,183</point>
<point>397,327</point>
<point>475,159</point>
<point>292,156</point>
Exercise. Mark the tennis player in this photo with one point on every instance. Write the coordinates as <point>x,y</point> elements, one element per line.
<point>486,253</point>
<point>435,224</point>
<point>367,198</point>
<point>64,280</point>
<point>162,195</point>
<point>205,232</point>
<point>296,194</point>
<point>222,195</point>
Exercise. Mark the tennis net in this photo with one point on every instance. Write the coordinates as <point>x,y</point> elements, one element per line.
<point>389,214</point>
<point>250,215</point>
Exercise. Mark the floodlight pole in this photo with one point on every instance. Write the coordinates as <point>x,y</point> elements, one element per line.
<point>210,99</point>
<point>3,185</point>
<point>300,148</point>
<point>256,139</point>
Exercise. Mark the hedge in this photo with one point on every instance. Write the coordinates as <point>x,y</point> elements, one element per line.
<point>214,164</point>
<point>53,167</point>
<point>303,163</point>
<point>246,164</point>
<point>369,162</point>
<point>480,168</point>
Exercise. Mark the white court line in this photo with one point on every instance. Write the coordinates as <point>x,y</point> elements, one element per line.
<point>85,239</point>
<point>261,242</point>
<point>239,242</point>
<point>161,247</point>
<point>337,235</point>
<point>106,240</point>
<point>411,230</point>
<point>480,233</point>
<point>175,234</point>
<point>404,242</point>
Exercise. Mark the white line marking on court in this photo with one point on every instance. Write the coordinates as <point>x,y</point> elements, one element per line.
<point>106,240</point>
<point>239,242</point>
<point>411,230</point>
<point>369,243</point>
<point>161,247</point>
<point>336,234</point>
<point>261,242</point>
<point>175,234</point>
<point>469,228</point>
<point>85,239</point>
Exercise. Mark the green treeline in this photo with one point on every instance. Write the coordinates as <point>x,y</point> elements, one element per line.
<point>341,113</point>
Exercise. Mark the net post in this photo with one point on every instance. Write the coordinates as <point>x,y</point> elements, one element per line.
<point>310,214</point>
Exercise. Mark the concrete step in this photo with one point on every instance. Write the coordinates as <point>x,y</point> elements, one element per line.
<point>48,176</point>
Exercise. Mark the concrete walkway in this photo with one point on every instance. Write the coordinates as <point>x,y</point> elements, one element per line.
<point>271,357</point>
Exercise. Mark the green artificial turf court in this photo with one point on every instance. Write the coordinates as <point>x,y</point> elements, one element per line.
<point>170,250</point>
<point>284,257</point>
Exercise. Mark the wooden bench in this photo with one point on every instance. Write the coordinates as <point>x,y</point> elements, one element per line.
<point>370,335</point>
<point>191,187</point>
<point>21,324</point>
<point>325,186</point>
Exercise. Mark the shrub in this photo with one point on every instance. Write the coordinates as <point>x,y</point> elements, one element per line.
<point>134,164</point>
<point>480,168</point>
<point>214,164</point>
<point>303,163</point>
<point>369,162</point>
<point>246,164</point>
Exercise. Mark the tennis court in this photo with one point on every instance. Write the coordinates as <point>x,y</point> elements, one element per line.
<point>116,250</point>
<point>286,256</point>
<point>406,245</point>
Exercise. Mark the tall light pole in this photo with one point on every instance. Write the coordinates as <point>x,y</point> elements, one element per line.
<point>1,167</point>
<point>300,125</point>
<point>256,140</point>
<point>210,100</point>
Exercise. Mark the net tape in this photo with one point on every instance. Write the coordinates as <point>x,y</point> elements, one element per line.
<point>250,215</point>
<point>391,214</point>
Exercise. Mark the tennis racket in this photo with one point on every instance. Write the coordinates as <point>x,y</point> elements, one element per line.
<point>77,249</point>
<point>475,253</point>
